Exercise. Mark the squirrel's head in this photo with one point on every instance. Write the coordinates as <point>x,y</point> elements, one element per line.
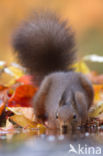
<point>72,110</point>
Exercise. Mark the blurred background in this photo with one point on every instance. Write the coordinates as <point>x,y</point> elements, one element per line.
<point>85,16</point>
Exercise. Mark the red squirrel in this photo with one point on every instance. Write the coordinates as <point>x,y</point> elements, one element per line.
<point>46,47</point>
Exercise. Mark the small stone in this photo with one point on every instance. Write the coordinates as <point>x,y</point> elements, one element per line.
<point>87,134</point>
<point>61,137</point>
<point>2,137</point>
<point>78,128</point>
<point>51,138</point>
<point>94,125</point>
<point>42,136</point>
<point>101,127</point>
<point>101,133</point>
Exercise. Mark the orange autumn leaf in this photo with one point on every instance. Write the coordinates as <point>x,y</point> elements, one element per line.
<point>25,79</point>
<point>2,106</point>
<point>3,99</point>
<point>22,96</point>
<point>2,88</point>
<point>25,91</point>
<point>95,78</point>
<point>98,89</point>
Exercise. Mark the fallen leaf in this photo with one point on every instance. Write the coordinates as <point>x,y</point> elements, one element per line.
<point>27,112</point>
<point>14,71</point>
<point>2,106</point>
<point>22,96</point>
<point>96,110</point>
<point>81,67</point>
<point>25,79</point>
<point>22,121</point>
<point>98,90</point>
<point>95,78</point>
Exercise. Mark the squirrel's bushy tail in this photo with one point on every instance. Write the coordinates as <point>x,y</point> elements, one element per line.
<point>44,44</point>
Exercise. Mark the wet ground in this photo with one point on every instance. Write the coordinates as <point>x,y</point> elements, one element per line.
<point>71,144</point>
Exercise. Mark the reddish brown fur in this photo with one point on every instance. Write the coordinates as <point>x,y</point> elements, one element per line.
<point>46,46</point>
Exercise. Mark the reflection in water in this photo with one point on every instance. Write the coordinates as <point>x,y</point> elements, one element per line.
<point>48,143</point>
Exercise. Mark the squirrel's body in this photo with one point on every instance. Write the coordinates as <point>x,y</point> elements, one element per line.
<point>46,47</point>
<point>63,89</point>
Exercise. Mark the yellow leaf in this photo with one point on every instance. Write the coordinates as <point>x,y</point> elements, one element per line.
<point>7,80</point>
<point>27,112</point>
<point>15,72</point>
<point>41,128</point>
<point>96,110</point>
<point>22,121</point>
<point>81,67</point>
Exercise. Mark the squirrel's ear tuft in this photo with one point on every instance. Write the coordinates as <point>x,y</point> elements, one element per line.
<point>62,100</point>
<point>65,98</point>
<point>87,85</point>
<point>81,105</point>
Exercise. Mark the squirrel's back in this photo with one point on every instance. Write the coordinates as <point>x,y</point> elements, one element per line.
<point>44,44</point>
